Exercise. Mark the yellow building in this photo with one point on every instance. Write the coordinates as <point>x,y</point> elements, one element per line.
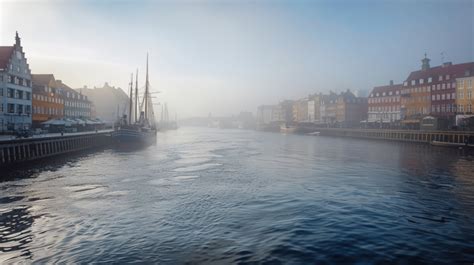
<point>464,97</point>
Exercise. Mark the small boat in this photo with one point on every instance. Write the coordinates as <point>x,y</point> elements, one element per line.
<point>448,144</point>
<point>314,133</point>
<point>140,130</point>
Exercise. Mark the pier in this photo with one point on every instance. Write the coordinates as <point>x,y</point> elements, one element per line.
<point>22,150</point>
<point>402,135</point>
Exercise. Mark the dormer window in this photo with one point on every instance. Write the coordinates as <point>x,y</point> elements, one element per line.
<point>430,79</point>
<point>440,78</point>
<point>413,82</point>
<point>405,83</point>
<point>422,81</point>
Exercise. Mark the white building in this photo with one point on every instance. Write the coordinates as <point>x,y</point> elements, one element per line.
<point>265,114</point>
<point>15,88</point>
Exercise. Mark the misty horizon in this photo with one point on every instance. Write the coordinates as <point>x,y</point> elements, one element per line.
<point>227,57</point>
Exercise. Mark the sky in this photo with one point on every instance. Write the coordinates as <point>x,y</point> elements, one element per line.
<point>223,57</point>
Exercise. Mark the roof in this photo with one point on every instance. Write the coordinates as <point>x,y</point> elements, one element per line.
<point>454,70</point>
<point>42,79</point>
<point>388,88</point>
<point>5,55</point>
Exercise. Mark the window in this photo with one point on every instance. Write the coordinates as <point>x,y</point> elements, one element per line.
<point>28,95</point>
<point>440,78</point>
<point>438,97</point>
<point>449,85</point>
<point>11,108</point>
<point>413,82</point>
<point>460,108</point>
<point>460,84</point>
<point>422,81</point>
<point>448,96</point>
<point>18,69</point>
<point>461,95</point>
<point>453,96</point>
<point>10,92</point>
<point>443,86</point>
<point>443,97</point>
<point>19,109</point>
<point>469,94</point>
<point>469,83</point>
<point>447,77</point>
<point>430,79</point>
<point>20,94</point>
<point>469,108</point>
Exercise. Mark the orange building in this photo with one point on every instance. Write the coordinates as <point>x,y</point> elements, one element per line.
<point>47,104</point>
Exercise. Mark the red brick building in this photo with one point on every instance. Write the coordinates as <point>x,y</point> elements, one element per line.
<point>385,104</point>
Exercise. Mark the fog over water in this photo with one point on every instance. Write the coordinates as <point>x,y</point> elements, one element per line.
<point>227,56</point>
<point>213,196</point>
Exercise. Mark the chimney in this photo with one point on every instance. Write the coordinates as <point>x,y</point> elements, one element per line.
<point>17,39</point>
<point>447,64</point>
<point>391,82</point>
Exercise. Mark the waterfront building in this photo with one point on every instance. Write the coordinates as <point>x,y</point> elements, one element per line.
<point>314,108</point>
<point>286,111</point>
<point>15,88</point>
<point>110,102</point>
<point>300,110</point>
<point>384,104</point>
<point>265,114</point>
<point>464,96</point>
<point>328,108</point>
<point>350,110</point>
<point>76,105</point>
<point>47,103</point>
<point>432,91</point>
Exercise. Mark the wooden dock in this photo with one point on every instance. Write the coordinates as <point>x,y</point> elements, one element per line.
<point>23,150</point>
<point>402,135</point>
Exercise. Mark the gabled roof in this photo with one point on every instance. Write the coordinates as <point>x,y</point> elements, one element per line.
<point>5,55</point>
<point>42,79</point>
<point>454,70</point>
<point>388,88</point>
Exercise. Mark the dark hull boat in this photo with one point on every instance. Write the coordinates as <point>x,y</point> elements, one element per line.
<point>137,131</point>
<point>131,136</point>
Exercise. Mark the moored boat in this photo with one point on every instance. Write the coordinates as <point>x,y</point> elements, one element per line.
<point>137,131</point>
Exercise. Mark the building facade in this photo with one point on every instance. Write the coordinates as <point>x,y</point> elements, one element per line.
<point>47,103</point>
<point>265,114</point>
<point>15,88</point>
<point>328,108</point>
<point>464,97</point>
<point>384,104</point>
<point>286,111</point>
<point>314,108</point>
<point>76,105</point>
<point>432,91</point>
<point>350,110</point>
<point>300,110</point>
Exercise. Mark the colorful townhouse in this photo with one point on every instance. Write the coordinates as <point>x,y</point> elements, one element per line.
<point>47,102</point>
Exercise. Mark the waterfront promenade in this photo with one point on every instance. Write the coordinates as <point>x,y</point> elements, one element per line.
<point>457,137</point>
<point>14,151</point>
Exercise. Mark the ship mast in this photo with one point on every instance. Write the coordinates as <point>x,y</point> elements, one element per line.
<point>146,90</point>
<point>130,103</point>
<point>136,97</point>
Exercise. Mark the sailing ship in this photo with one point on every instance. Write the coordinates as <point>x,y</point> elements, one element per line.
<point>165,122</point>
<point>138,127</point>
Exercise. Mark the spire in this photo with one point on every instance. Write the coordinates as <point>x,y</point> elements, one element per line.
<point>17,39</point>
<point>425,63</point>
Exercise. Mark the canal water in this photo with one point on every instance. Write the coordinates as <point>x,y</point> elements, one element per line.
<point>215,196</point>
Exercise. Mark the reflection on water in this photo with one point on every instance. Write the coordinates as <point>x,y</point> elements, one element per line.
<point>222,196</point>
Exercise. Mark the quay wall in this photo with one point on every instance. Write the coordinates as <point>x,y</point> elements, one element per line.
<point>23,150</point>
<point>402,135</point>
